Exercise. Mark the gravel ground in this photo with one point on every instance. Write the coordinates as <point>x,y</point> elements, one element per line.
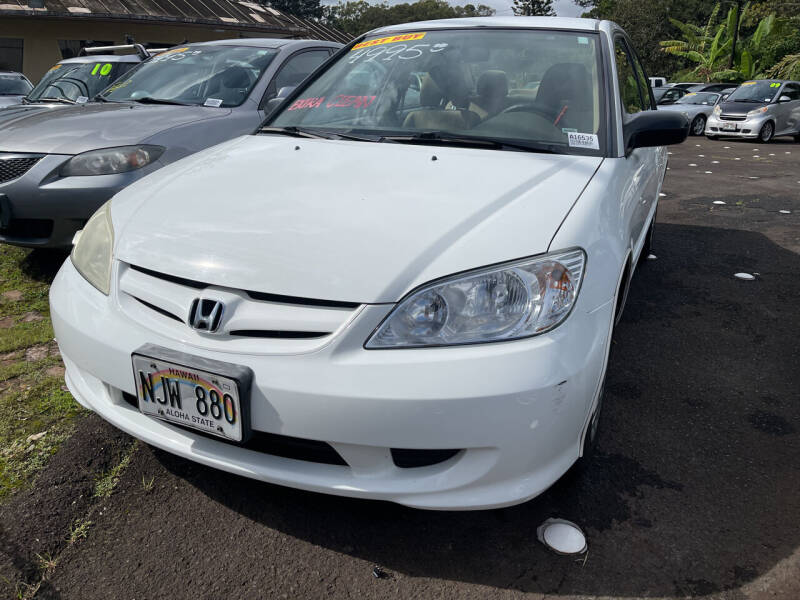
<point>695,490</point>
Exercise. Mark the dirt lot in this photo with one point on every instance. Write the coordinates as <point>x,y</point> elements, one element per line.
<point>695,490</point>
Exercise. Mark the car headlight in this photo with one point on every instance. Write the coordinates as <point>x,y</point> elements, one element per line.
<point>717,110</point>
<point>91,254</point>
<point>757,111</point>
<point>111,160</point>
<point>505,302</point>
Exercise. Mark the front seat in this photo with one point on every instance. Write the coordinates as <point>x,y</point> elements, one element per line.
<point>432,115</point>
<point>233,85</point>
<point>492,88</point>
<point>565,93</point>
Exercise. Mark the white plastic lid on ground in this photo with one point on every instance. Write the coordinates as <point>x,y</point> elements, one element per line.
<point>562,537</point>
<point>745,276</point>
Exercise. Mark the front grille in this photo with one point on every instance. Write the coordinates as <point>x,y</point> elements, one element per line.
<point>733,117</point>
<point>11,168</point>
<point>293,323</point>
<point>273,444</point>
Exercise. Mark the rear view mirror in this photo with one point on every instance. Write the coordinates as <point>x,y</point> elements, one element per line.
<point>654,128</point>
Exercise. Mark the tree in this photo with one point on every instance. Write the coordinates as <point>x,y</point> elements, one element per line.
<point>357,16</point>
<point>303,9</point>
<point>531,8</point>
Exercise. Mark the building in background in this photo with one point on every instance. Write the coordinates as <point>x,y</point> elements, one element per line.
<point>39,33</point>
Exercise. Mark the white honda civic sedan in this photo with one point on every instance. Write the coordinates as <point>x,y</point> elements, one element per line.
<point>403,286</point>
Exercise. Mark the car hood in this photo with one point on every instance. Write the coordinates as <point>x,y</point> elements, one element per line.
<point>690,109</point>
<point>10,100</point>
<point>343,220</point>
<point>740,108</point>
<point>78,128</point>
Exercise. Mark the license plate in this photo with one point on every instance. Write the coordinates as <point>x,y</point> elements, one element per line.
<point>729,126</point>
<point>193,392</point>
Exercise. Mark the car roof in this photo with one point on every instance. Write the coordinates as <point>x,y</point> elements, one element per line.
<point>266,43</point>
<point>91,58</point>
<point>508,22</point>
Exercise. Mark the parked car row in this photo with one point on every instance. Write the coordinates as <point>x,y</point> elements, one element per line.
<point>397,279</point>
<point>759,109</point>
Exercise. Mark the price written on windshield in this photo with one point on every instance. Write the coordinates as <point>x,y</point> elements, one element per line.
<point>395,51</point>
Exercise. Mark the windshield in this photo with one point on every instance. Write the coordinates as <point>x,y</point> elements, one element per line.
<point>198,75</point>
<point>699,98</point>
<point>755,91</point>
<point>522,85</point>
<point>73,80</point>
<point>13,84</point>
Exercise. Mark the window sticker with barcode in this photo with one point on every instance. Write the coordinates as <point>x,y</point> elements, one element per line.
<point>583,140</point>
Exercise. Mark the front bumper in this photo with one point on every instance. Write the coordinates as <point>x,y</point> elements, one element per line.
<point>47,210</point>
<point>749,128</point>
<point>516,411</point>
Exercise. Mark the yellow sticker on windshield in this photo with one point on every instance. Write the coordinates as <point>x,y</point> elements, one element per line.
<point>406,37</point>
<point>749,83</point>
<point>173,51</point>
<point>692,94</point>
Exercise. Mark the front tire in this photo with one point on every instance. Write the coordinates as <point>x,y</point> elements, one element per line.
<point>766,133</point>
<point>698,125</point>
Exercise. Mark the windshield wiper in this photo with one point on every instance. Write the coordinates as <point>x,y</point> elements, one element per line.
<point>53,99</point>
<point>746,100</point>
<point>151,100</point>
<point>300,132</point>
<point>453,139</point>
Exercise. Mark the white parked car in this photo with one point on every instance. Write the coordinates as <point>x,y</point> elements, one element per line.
<point>403,287</point>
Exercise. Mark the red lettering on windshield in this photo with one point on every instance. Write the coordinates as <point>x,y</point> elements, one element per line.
<point>342,101</point>
<point>307,103</point>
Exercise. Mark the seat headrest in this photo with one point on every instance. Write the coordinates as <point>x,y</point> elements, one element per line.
<point>492,83</point>
<point>430,94</point>
<point>236,77</point>
<point>565,83</point>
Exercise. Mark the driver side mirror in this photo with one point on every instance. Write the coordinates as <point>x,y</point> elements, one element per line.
<point>784,99</point>
<point>654,128</point>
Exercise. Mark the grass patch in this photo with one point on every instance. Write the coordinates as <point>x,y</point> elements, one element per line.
<point>108,481</point>
<point>33,398</point>
<point>79,530</point>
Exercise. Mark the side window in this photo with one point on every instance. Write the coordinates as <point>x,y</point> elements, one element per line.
<point>296,69</point>
<point>792,90</point>
<point>641,80</point>
<point>628,84</point>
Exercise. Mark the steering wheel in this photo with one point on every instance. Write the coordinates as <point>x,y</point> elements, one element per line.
<point>530,107</point>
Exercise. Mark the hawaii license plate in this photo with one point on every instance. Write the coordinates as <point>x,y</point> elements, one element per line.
<point>194,392</point>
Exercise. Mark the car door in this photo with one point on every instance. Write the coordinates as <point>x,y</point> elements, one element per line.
<point>790,111</point>
<point>645,166</point>
<point>294,70</point>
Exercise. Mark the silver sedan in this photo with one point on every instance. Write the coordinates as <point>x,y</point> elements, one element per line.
<point>697,107</point>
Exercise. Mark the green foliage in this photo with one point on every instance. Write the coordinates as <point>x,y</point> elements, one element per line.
<point>531,8</point>
<point>304,9</point>
<point>787,68</point>
<point>715,55</point>
<point>357,16</point>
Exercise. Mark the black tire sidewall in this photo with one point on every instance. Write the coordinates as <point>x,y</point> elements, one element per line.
<point>761,132</point>
<point>698,119</point>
